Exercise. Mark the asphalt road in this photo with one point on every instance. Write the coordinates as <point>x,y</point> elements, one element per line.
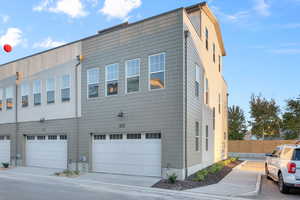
<point>37,188</point>
<point>270,191</point>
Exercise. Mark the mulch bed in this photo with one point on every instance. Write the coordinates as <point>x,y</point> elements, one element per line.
<point>190,184</point>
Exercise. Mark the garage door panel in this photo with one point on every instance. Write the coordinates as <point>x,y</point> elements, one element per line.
<point>4,150</point>
<point>127,156</point>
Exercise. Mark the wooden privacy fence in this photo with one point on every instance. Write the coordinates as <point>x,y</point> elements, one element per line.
<point>256,146</point>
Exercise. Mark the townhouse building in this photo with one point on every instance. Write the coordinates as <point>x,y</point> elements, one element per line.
<point>145,98</point>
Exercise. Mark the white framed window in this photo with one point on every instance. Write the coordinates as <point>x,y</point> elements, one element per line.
<point>157,71</point>
<point>9,98</point>
<point>214,52</point>
<point>65,88</point>
<point>50,88</point>
<point>132,75</point>
<point>206,137</point>
<point>206,91</point>
<point>197,80</point>
<point>197,136</point>
<point>111,79</point>
<point>1,99</point>
<point>214,118</point>
<point>37,97</point>
<point>93,79</point>
<point>219,106</point>
<point>25,94</point>
<point>206,38</point>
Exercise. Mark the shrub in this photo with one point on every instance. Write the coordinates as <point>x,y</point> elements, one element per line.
<point>201,175</point>
<point>216,168</point>
<point>227,162</point>
<point>232,159</point>
<point>172,178</point>
<point>5,165</point>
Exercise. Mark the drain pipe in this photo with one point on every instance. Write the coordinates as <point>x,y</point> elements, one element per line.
<point>16,117</point>
<point>79,59</point>
<point>186,35</point>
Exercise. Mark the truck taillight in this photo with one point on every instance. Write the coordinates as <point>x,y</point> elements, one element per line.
<point>291,168</point>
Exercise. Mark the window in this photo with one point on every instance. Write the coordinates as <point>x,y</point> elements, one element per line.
<point>99,137</point>
<point>1,99</point>
<point>112,77</point>
<point>214,52</point>
<point>65,88</point>
<point>197,136</point>
<point>9,98</point>
<point>197,81</point>
<point>30,137</point>
<point>50,88</point>
<point>219,106</point>
<point>63,137</point>
<point>93,82</point>
<point>206,38</point>
<point>37,98</point>
<point>297,155</point>
<point>287,154</point>
<point>132,75</point>
<point>41,137</point>
<point>206,137</point>
<point>25,94</point>
<point>2,137</point>
<point>116,137</point>
<point>153,135</point>
<point>134,136</point>
<point>52,137</point>
<point>214,118</point>
<point>219,63</point>
<point>157,71</point>
<point>206,91</point>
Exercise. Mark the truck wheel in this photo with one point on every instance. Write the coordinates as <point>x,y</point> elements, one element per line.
<point>282,186</point>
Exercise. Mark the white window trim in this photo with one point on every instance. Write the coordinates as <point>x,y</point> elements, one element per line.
<point>61,87</point>
<point>47,90</point>
<point>12,97</point>
<point>133,76</point>
<point>106,80</point>
<point>33,87</point>
<point>149,73</point>
<point>87,83</point>
<point>198,137</point>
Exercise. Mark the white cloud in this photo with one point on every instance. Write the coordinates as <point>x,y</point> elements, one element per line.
<point>119,8</point>
<point>48,43</point>
<point>262,7</point>
<point>286,51</point>
<point>5,18</point>
<point>72,8</point>
<point>13,36</point>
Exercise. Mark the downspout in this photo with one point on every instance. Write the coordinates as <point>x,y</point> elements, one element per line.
<point>16,118</point>
<point>186,35</point>
<point>76,111</point>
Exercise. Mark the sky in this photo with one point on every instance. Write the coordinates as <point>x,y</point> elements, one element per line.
<point>262,37</point>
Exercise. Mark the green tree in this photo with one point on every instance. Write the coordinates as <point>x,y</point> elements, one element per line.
<point>265,117</point>
<point>291,119</point>
<point>236,123</point>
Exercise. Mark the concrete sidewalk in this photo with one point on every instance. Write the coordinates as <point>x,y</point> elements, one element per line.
<point>244,180</point>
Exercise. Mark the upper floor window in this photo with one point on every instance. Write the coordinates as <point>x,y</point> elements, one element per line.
<point>214,118</point>
<point>65,88</point>
<point>157,71</point>
<point>206,91</point>
<point>214,52</point>
<point>25,94</point>
<point>93,82</point>
<point>50,88</point>
<point>206,38</point>
<point>219,104</point>
<point>9,98</point>
<point>197,81</point>
<point>1,99</point>
<point>132,75</point>
<point>112,79</point>
<point>197,136</point>
<point>206,137</point>
<point>37,97</point>
<point>219,63</point>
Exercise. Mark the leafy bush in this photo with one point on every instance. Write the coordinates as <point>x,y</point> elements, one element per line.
<point>232,159</point>
<point>172,178</point>
<point>216,168</point>
<point>5,165</point>
<point>201,175</point>
<point>227,162</point>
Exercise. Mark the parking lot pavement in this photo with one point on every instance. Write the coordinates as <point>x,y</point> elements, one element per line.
<point>270,191</point>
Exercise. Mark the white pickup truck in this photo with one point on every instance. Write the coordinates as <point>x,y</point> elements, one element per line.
<point>283,166</point>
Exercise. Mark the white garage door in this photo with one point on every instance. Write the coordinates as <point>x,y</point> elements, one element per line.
<point>134,154</point>
<point>4,149</point>
<point>47,151</point>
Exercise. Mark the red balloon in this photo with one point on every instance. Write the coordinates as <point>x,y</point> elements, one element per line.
<point>7,48</point>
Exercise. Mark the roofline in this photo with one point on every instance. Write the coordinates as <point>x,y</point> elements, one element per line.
<point>203,6</point>
<point>101,32</point>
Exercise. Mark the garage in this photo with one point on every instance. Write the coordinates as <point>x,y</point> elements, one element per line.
<point>4,149</point>
<point>132,154</point>
<point>47,151</point>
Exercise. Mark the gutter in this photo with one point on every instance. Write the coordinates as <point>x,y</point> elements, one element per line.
<point>186,35</point>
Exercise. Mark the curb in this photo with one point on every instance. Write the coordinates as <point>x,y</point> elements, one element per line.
<point>257,188</point>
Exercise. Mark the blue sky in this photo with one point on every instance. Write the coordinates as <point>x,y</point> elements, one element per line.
<point>262,37</point>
